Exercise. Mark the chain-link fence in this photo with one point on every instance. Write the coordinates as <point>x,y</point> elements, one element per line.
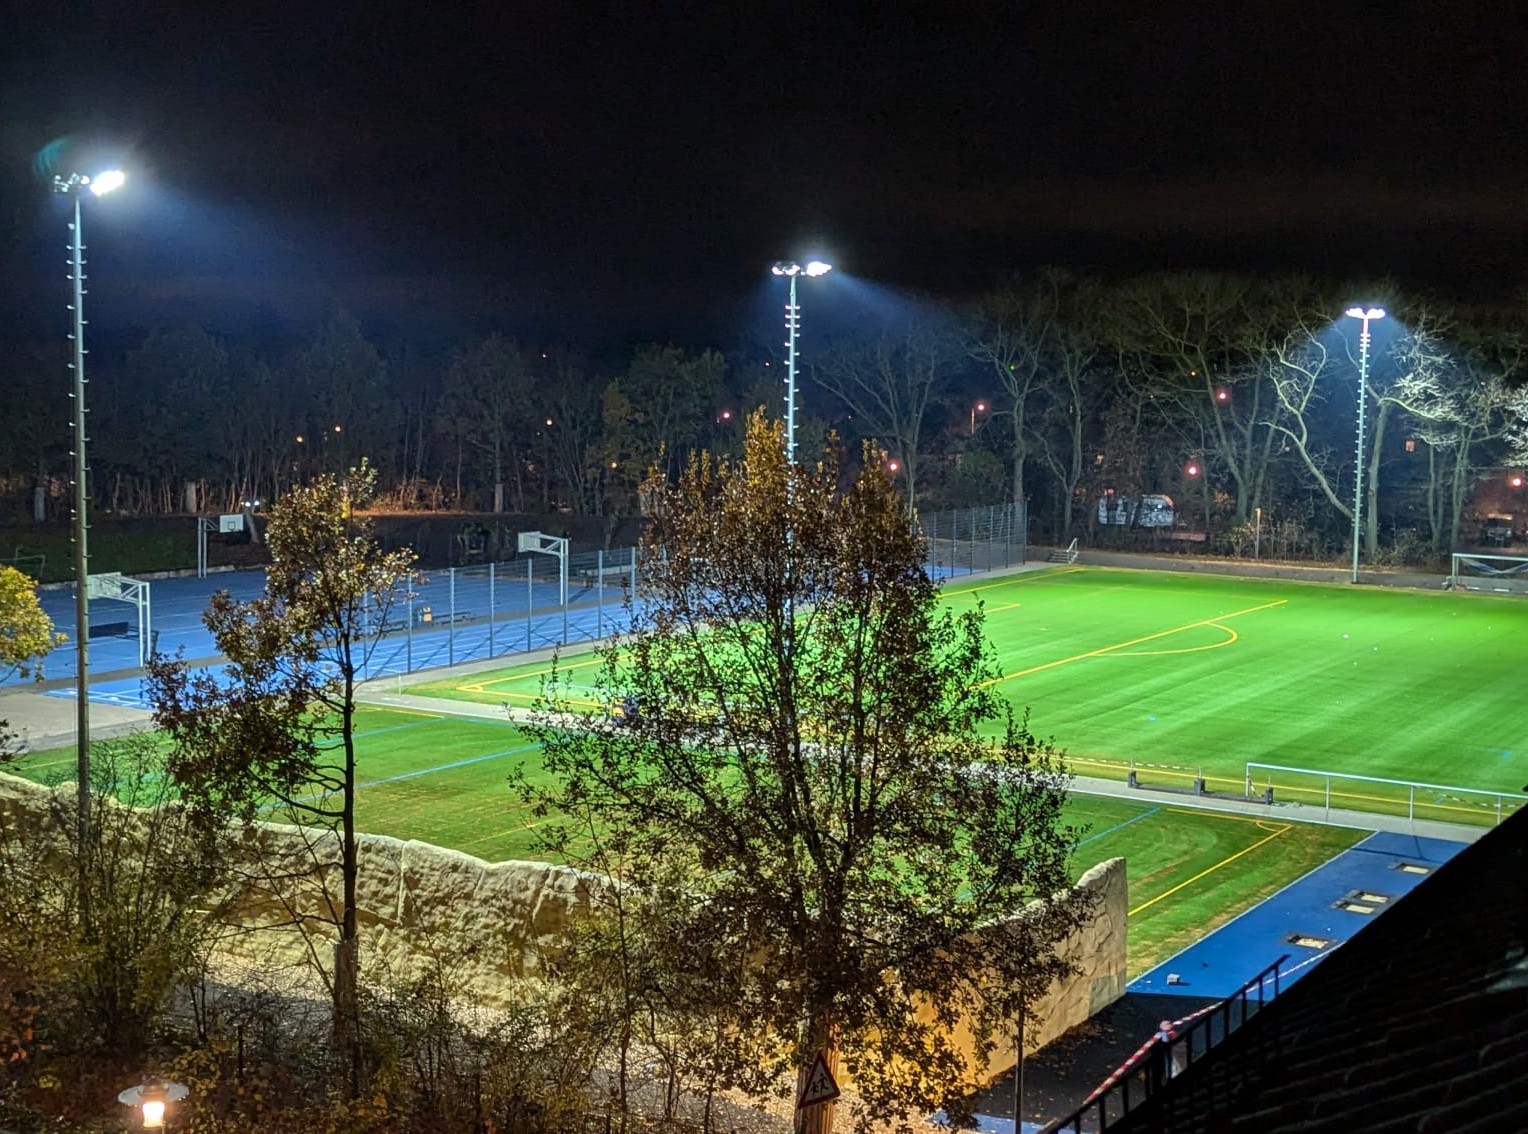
<point>967,540</point>
<point>481,612</point>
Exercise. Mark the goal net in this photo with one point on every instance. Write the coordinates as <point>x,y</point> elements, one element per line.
<point>1503,574</point>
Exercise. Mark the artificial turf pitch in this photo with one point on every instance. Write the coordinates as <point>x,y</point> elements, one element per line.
<point>1159,671</point>
<point>1177,675</point>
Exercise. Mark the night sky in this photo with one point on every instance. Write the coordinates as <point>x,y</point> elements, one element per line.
<point>611,172</point>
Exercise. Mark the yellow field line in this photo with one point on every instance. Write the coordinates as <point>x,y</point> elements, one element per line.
<point>482,686</point>
<point>1136,641</point>
<point>1231,641</point>
<point>1015,580</point>
<point>1211,870</point>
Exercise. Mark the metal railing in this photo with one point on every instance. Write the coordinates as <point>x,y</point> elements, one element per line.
<point>1146,1072</point>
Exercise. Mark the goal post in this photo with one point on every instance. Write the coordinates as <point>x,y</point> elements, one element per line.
<point>1475,571</point>
<point>117,587</point>
<point>543,544</point>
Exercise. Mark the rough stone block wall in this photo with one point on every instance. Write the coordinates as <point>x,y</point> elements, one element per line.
<point>492,921</point>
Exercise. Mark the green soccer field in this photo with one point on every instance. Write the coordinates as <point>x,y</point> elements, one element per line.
<point>1155,671</point>
<point>1178,674</point>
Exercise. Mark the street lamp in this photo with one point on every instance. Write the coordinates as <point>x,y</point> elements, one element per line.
<point>793,326</point>
<point>151,1097</point>
<point>75,186</point>
<point>1365,315</point>
<point>979,407</point>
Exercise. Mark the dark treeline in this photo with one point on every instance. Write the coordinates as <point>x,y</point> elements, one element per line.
<point>1234,396</point>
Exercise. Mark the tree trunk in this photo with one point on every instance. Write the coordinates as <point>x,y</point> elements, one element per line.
<point>1371,490</point>
<point>817,1119</point>
<point>347,1030</point>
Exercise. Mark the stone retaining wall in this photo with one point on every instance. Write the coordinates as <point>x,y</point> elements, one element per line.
<point>491,920</point>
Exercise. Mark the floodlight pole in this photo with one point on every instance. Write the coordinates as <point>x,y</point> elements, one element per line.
<point>81,532</point>
<point>791,269</point>
<point>1365,315</point>
<point>74,186</point>
<point>792,328</point>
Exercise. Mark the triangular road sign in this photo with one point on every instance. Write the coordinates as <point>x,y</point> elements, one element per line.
<point>819,1086</point>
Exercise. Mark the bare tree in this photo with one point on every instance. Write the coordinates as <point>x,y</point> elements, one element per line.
<point>891,382</point>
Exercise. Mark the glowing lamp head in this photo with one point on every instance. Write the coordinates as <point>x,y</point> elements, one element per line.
<point>981,407</point>
<point>786,268</point>
<point>893,465</point>
<point>1366,314</point>
<point>103,183</point>
<point>1516,480</point>
<point>1222,395</point>
<point>153,1114</point>
<point>818,268</point>
<point>1193,469</point>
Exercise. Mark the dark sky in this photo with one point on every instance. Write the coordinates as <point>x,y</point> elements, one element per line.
<point>565,169</point>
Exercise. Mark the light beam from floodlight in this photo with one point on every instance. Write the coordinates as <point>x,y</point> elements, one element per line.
<point>1365,315</point>
<point>792,269</point>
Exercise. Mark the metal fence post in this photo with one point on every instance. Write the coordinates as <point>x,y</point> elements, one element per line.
<point>529,603</point>
<point>490,610</point>
<point>599,593</point>
<point>451,616</point>
<point>408,652</point>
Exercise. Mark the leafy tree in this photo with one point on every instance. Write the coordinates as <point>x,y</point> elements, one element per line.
<point>807,784</point>
<point>347,402</point>
<point>277,727</point>
<point>486,404</point>
<point>82,1000</point>
<point>26,637</point>
<point>669,399</point>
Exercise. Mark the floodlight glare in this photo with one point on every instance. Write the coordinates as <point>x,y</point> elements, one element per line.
<point>818,268</point>
<point>103,183</point>
<point>786,268</point>
<point>1360,313</point>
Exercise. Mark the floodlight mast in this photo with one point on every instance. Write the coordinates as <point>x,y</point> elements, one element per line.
<point>73,187</point>
<point>1365,315</point>
<point>791,269</point>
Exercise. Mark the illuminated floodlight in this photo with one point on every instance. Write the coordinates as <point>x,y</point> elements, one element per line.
<point>1193,469</point>
<point>1362,313</point>
<point>103,183</point>
<point>786,268</point>
<point>818,268</point>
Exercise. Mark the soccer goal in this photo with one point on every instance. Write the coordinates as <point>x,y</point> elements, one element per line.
<point>1502,574</point>
<point>119,588</point>
<point>555,546</point>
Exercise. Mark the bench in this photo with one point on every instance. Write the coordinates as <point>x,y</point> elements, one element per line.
<point>424,616</point>
<point>591,575</point>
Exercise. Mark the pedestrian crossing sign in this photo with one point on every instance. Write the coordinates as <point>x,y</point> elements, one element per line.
<point>819,1086</point>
